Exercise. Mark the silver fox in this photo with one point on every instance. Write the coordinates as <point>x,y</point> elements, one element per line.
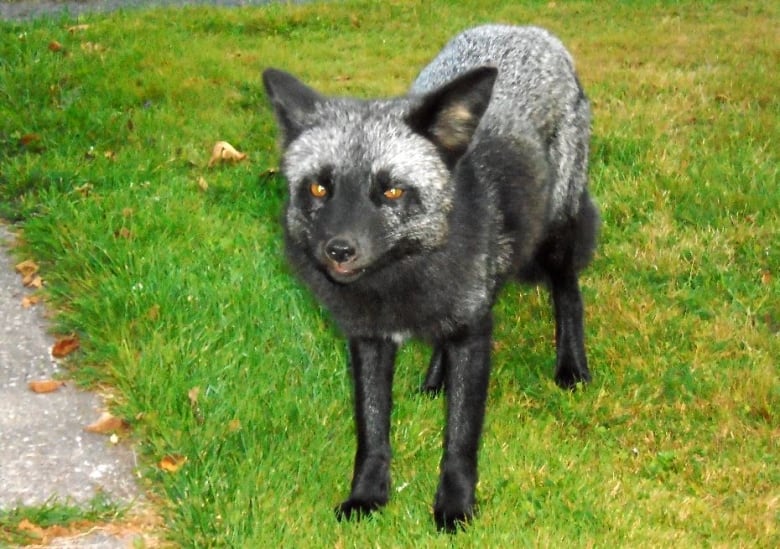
<point>407,215</point>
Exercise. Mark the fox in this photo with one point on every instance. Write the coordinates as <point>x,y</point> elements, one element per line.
<point>406,216</point>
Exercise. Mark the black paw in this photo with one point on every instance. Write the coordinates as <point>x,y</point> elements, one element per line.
<point>354,509</point>
<point>454,506</point>
<point>570,373</point>
<point>431,389</point>
<point>451,518</point>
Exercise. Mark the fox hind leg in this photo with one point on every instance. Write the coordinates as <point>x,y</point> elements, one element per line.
<point>565,254</point>
<point>571,361</point>
<point>434,378</point>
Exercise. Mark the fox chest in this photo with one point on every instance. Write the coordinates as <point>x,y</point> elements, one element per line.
<point>429,310</point>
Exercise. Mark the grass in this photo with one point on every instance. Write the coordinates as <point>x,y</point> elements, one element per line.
<point>675,443</point>
<point>53,519</point>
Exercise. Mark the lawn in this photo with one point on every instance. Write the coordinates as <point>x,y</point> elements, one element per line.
<point>172,274</point>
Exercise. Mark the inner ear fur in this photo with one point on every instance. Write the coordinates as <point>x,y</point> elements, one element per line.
<point>449,116</point>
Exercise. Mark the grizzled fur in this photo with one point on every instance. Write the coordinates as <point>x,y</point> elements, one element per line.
<point>406,216</point>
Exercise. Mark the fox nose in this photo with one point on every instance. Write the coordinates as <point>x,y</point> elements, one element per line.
<point>340,250</point>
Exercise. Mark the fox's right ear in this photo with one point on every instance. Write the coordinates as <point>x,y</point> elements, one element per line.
<point>449,116</point>
<point>293,102</point>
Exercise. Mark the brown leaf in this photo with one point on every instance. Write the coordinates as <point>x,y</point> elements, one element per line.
<point>42,386</point>
<point>107,423</point>
<point>27,268</point>
<point>55,46</point>
<point>172,463</point>
<point>65,346</point>
<point>225,152</point>
<point>29,138</point>
<point>30,301</point>
<point>33,281</point>
<point>766,277</point>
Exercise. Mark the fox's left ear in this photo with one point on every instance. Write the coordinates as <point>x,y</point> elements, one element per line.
<point>450,115</point>
<point>293,101</point>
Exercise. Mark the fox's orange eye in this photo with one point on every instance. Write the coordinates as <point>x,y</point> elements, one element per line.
<point>394,193</point>
<point>317,190</point>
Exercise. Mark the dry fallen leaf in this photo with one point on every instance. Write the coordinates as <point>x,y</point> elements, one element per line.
<point>203,184</point>
<point>33,282</point>
<point>107,423</point>
<point>42,386</point>
<point>225,152</point>
<point>46,535</point>
<point>29,139</point>
<point>55,46</point>
<point>65,345</point>
<point>29,271</point>
<point>766,277</point>
<point>30,301</point>
<point>27,268</point>
<point>172,463</point>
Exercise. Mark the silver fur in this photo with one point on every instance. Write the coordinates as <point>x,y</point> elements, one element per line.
<point>535,98</point>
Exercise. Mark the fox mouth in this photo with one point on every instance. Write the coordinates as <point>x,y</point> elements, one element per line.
<point>343,272</point>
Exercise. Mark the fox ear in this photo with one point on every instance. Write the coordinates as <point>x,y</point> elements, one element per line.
<point>449,116</point>
<point>292,100</point>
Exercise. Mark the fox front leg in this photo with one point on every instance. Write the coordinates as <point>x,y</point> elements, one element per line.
<point>372,363</point>
<point>465,384</point>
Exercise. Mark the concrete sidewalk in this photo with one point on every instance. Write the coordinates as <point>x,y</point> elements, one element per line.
<point>44,451</point>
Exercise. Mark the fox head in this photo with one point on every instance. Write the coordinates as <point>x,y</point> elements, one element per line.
<point>371,181</point>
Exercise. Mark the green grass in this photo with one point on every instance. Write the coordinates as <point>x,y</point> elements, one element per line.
<point>18,526</point>
<point>674,444</point>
